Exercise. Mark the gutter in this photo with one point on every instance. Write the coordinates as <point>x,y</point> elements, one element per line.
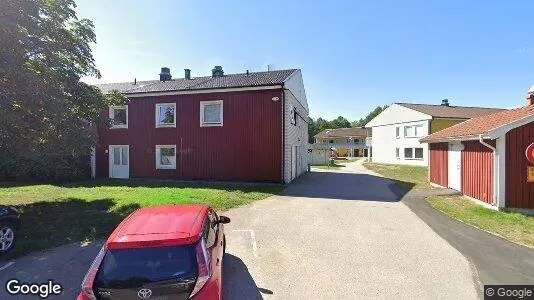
<point>283,181</point>
<point>495,170</point>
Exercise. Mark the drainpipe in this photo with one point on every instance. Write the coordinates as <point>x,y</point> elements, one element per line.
<point>283,181</point>
<point>495,171</point>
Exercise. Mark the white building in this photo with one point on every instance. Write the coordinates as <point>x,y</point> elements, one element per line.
<point>397,130</point>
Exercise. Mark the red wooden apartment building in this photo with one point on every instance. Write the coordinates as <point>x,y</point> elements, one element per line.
<point>484,158</point>
<point>236,127</point>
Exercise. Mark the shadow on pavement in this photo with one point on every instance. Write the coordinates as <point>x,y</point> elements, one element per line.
<point>346,186</point>
<point>238,283</point>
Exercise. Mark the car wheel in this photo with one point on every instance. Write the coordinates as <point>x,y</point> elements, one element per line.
<point>7,237</point>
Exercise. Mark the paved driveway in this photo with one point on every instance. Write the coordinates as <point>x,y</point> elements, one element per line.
<point>334,235</point>
<point>331,235</point>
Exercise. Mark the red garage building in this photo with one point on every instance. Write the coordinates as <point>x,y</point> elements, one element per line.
<point>484,158</point>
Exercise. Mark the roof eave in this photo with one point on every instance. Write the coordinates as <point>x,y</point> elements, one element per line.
<point>472,137</point>
<point>203,90</point>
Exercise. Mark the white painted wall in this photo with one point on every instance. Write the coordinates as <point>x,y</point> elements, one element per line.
<point>395,114</point>
<point>319,157</point>
<point>295,135</point>
<point>295,84</point>
<point>385,142</point>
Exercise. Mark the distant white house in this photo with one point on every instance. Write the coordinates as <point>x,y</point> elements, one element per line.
<point>397,130</point>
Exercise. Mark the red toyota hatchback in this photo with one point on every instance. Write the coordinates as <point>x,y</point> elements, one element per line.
<point>162,252</point>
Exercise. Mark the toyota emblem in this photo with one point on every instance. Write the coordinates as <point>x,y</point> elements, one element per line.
<point>144,293</point>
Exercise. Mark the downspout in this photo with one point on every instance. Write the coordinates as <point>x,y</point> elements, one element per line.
<point>495,171</point>
<point>283,133</point>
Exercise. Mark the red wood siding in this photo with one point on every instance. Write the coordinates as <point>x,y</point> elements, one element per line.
<point>439,163</point>
<point>519,193</point>
<point>477,171</point>
<point>246,148</point>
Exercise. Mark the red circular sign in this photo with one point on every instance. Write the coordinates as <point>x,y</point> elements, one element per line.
<point>530,153</point>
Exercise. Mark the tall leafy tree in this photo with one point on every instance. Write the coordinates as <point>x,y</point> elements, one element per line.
<point>340,122</point>
<point>47,115</point>
<point>375,112</point>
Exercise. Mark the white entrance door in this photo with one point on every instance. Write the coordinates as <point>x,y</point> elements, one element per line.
<point>119,161</point>
<point>293,162</point>
<point>455,166</point>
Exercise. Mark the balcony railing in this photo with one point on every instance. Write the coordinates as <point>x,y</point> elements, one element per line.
<point>337,145</point>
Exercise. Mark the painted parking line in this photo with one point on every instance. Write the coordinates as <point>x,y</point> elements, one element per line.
<point>252,238</point>
<point>9,264</point>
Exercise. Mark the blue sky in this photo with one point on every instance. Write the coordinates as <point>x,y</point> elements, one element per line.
<point>354,55</point>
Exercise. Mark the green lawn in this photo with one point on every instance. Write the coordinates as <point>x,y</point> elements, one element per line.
<point>406,176</point>
<point>53,215</point>
<point>512,226</point>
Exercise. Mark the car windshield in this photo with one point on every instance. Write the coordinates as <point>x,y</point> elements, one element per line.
<point>129,268</point>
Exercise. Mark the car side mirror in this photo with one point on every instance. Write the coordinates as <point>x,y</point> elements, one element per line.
<point>224,220</point>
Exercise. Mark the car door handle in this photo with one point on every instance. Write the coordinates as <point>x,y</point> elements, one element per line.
<point>217,262</point>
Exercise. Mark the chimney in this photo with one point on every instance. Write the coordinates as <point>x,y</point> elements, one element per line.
<point>445,102</point>
<point>187,73</point>
<point>530,96</point>
<point>217,71</point>
<point>165,74</point>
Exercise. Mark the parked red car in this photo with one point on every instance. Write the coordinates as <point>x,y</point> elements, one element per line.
<point>162,252</point>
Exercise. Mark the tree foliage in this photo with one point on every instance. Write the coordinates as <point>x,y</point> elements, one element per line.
<point>45,110</point>
<point>362,121</point>
<point>316,126</point>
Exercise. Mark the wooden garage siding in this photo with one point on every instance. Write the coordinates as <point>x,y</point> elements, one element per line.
<point>439,163</point>
<point>246,148</point>
<point>477,171</point>
<point>519,193</point>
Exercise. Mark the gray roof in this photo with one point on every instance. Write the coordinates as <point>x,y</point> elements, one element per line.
<point>459,112</point>
<point>342,132</point>
<point>199,83</point>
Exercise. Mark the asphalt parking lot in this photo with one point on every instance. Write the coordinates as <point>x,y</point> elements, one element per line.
<point>330,235</point>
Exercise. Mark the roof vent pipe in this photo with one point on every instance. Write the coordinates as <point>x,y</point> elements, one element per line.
<point>445,102</point>
<point>530,96</point>
<point>165,74</point>
<point>217,71</point>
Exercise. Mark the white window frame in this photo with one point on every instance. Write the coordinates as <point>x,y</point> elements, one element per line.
<point>415,126</point>
<point>397,153</point>
<point>397,132</point>
<point>202,105</point>
<point>112,116</point>
<point>413,153</point>
<point>158,153</point>
<point>158,106</point>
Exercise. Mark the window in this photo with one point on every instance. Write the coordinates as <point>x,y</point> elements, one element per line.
<point>213,228</point>
<point>397,153</point>
<point>413,153</point>
<point>413,131</point>
<point>166,115</point>
<point>118,116</point>
<point>418,153</point>
<point>408,153</point>
<point>397,132</point>
<point>133,268</point>
<point>211,113</point>
<point>166,157</point>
